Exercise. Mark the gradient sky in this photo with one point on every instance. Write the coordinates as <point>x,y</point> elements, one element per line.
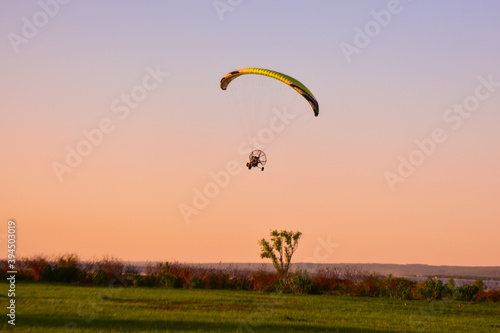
<point>124,198</point>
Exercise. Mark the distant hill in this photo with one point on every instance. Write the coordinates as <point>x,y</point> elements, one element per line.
<point>409,270</point>
<point>415,270</point>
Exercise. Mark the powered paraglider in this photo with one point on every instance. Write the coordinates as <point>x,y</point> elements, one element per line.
<point>257,157</point>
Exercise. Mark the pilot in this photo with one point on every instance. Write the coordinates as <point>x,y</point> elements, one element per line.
<point>254,162</point>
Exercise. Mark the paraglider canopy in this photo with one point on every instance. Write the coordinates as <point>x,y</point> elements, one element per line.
<point>295,84</point>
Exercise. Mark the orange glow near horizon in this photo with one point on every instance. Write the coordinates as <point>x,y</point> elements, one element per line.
<point>161,174</point>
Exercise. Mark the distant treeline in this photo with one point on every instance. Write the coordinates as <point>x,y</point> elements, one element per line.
<point>339,281</point>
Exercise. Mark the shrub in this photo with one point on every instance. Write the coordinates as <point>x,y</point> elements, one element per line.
<point>327,281</point>
<point>216,281</point>
<point>65,270</point>
<point>99,277</point>
<point>351,282</point>
<point>372,286</point>
<point>196,282</point>
<point>353,274</point>
<point>466,292</point>
<point>4,267</point>
<point>145,280</point>
<point>168,281</point>
<point>449,288</point>
<point>110,267</point>
<point>87,269</point>
<point>183,274</point>
<point>263,281</point>
<point>492,295</point>
<point>302,283</point>
<point>298,283</point>
<point>431,289</point>
<point>399,288</point>
<point>161,277</point>
<point>283,285</point>
<point>480,294</point>
<point>240,283</point>
<point>23,273</point>
<point>37,264</point>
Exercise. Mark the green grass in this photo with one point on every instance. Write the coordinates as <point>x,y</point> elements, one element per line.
<point>43,307</point>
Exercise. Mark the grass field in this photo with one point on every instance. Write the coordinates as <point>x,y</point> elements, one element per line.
<point>42,307</point>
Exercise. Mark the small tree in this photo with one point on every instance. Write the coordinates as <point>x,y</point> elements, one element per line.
<point>280,249</point>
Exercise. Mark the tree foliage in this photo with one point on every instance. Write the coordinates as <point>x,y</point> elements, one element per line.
<point>280,249</point>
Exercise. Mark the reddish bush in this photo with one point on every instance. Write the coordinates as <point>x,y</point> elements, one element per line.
<point>372,285</point>
<point>264,281</point>
<point>22,272</point>
<point>3,269</point>
<point>182,273</point>
<point>492,295</point>
<point>37,265</point>
<point>111,266</point>
<point>326,284</point>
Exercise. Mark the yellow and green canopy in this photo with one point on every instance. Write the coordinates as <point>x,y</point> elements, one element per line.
<point>295,84</point>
